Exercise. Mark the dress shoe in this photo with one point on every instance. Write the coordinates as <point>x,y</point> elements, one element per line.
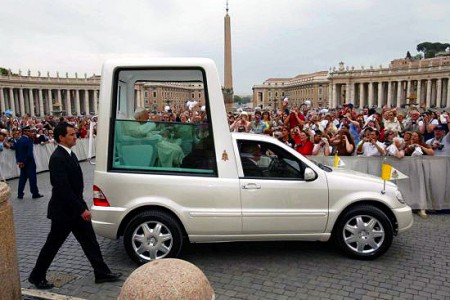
<point>37,196</point>
<point>41,284</point>
<point>111,277</point>
<point>423,214</point>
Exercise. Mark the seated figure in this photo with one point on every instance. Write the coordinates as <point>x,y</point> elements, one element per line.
<point>167,153</point>
<point>142,128</point>
<point>170,153</point>
<point>250,157</point>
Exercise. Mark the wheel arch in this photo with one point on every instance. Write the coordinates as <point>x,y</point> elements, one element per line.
<point>380,205</point>
<point>138,210</point>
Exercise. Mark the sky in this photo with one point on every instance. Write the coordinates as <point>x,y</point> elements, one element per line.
<point>270,39</point>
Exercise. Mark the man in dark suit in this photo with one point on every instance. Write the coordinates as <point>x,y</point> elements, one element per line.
<point>68,212</point>
<point>25,160</point>
<point>250,155</point>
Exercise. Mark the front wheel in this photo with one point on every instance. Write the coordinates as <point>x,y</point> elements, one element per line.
<point>364,232</point>
<point>152,235</point>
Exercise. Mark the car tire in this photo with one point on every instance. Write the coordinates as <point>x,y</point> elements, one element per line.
<point>152,235</point>
<point>364,232</point>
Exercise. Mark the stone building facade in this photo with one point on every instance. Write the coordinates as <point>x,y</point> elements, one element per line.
<point>155,96</point>
<point>55,95</point>
<point>45,95</point>
<point>424,82</point>
<point>312,87</point>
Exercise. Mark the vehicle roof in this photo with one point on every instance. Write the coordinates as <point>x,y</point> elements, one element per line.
<point>253,136</point>
<point>151,61</point>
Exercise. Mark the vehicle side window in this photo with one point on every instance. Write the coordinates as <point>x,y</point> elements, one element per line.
<point>170,133</point>
<point>268,161</point>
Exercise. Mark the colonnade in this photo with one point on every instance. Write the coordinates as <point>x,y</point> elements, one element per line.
<point>433,92</point>
<point>46,101</point>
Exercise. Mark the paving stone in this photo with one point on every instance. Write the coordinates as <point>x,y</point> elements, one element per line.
<point>290,294</point>
<point>336,297</point>
<point>416,266</point>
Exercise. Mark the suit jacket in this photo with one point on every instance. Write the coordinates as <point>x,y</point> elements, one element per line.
<point>24,151</point>
<point>250,168</point>
<point>66,178</point>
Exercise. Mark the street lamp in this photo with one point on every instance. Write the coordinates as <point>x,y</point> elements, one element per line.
<point>275,105</point>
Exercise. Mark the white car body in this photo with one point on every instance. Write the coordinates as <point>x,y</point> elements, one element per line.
<point>229,206</point>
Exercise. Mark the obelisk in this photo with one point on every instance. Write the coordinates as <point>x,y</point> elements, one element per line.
<point>228,76</point>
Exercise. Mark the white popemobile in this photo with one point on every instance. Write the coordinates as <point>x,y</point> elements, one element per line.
<point>197,182</point>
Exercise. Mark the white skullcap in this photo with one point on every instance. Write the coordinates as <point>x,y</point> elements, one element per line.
<point>138,110</point>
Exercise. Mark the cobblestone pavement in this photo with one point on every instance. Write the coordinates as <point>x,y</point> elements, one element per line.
<point>416,267</point>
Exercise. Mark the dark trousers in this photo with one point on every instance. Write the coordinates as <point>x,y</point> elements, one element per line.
<point>28,172</point>
<point>60,230</point>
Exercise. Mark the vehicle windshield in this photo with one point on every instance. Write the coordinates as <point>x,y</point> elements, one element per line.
<point>162,122</point>
<point>322,166</point>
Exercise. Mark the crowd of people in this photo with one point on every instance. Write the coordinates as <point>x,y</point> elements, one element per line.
<point>347,131</point>
<point>41,129</point>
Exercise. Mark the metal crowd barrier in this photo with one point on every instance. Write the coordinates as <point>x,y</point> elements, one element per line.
<point>428,185</point>
<point>42,153</point>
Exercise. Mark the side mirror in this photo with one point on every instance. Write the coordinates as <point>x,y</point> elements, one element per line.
<point>310,175</point>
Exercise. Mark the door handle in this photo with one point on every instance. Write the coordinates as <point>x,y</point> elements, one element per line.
<point>251,186</point>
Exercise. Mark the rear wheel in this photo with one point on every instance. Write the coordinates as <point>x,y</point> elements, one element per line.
<point>152,235</point>
<point>364,232</point>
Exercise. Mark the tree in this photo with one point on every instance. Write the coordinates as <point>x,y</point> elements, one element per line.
<point>431,49</point>
<point>3,71</point>
<point>408,55</point>
<point>242,100</point>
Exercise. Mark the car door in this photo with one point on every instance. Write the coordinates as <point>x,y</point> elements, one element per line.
<point>275,197</point>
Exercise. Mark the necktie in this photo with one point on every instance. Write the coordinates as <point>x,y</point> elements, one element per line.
<point>74,157</point>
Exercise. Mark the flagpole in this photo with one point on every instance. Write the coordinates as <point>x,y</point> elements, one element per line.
<point>384,180</point>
